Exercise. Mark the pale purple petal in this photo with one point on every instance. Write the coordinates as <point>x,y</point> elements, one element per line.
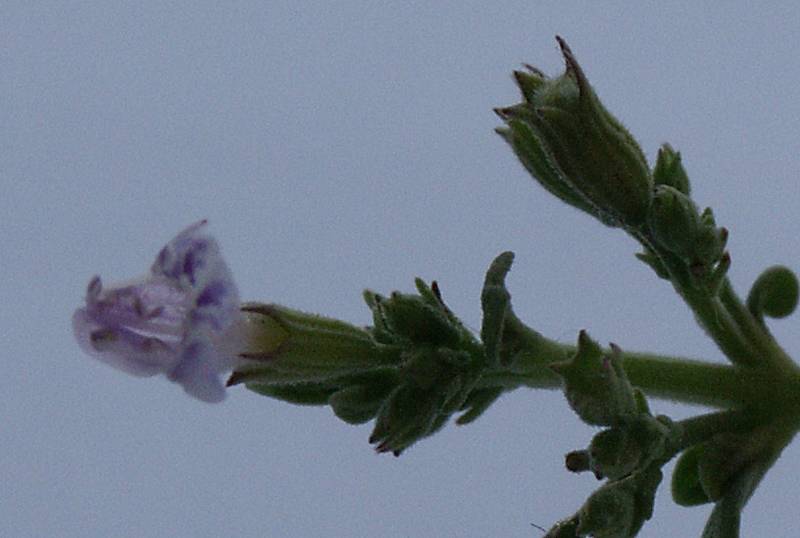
<point>198,371</point>
<point>174,321</point>
<point>132,355</point>
<point>193,261</point>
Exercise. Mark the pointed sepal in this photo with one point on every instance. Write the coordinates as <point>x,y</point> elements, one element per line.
<point>595,384</point>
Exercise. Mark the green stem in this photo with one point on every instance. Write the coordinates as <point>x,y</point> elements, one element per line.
<point>769,351</point>
<point>710,312</point>
<point>719,324</point>
<point>670,378</point>
<point>703,427</point>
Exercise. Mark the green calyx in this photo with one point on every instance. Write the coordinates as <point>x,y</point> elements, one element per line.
<point>679,228</point>
<point>633,445</point>
<point>595,384</point>
<point>286,346</point>
<point>669,170</point>
<point>435,383</point>
<point>619,508</point>
<point>360,401</point>
<point>575,148</point>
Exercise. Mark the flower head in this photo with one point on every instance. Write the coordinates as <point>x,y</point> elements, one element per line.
<point>181,320</point>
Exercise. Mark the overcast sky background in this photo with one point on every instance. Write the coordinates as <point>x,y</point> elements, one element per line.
<point>333,147</point>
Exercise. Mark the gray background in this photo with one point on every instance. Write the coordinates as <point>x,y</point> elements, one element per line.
<point>337,146</point>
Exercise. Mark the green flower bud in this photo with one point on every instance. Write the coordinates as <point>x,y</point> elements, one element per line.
<point>595,384</point>
<point>669,170</point>
<point>409,414</point>
<point>287,346</point>
<point>674,220</point>
<point>417,319</point>
<point>360,403</point>
<point>435,384</point>
<point>619,508</point>
<point>621,450</point>
<point>609,512</point>
<point>774,293</point>
<point>575,148</point>
<point>678,228</point>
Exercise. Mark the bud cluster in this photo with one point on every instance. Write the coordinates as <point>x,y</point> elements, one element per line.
<point>678,227</point>
<point>629,453</point>
<point>410,371</point>
<point>441,362</point>
<point>582,154</point>
<point>575,148</point>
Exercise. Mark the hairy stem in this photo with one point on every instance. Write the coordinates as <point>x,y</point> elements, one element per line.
<point>709,311</point>
<point>670,378</point>
<point>770,353</point>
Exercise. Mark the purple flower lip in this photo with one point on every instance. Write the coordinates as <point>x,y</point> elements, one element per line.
<point>179,320</point>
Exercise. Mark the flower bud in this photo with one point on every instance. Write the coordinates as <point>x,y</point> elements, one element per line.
<point>408,415</point>
<point>434,384</point>
<point>575,148</point>
<point>359,403</point>
<point>609,511</point>
<point>411,317</point>
<point>621,450</point>
<point>620,508</point>
<point>595,384</point>
<point>417,319</point>
<point>669,170</point>
<point>679,228</point>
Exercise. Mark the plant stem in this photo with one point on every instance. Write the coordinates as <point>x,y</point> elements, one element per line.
<point>709,311</point>
<point>670,378</point>
<point>702,427</point>
<point>770,353</point>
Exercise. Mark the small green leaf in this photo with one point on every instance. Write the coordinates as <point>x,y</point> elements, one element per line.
<point>495,301</point>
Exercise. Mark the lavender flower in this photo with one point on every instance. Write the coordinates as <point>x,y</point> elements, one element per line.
<point>181,320</point>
